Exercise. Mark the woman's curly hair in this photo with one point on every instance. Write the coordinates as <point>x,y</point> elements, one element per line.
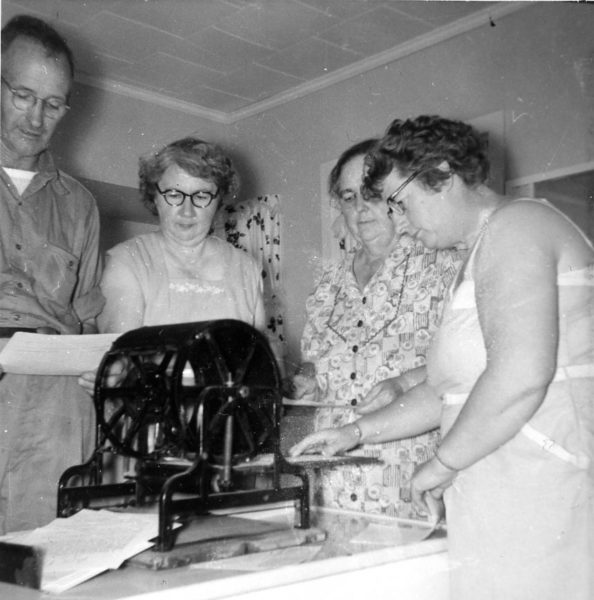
<point>359,149</point>
<point>197,158</point>
<point>421,145</point>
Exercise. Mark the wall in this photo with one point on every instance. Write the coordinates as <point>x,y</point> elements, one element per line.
<point>525,66</point>
<point>535,65</point>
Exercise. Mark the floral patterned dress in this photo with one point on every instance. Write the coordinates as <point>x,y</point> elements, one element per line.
<point>359,337</point>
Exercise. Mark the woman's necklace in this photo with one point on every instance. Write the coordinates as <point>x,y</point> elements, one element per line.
<point>364,343</point>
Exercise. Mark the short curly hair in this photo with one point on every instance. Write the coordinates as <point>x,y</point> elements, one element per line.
<point>196,157</point>
<point>358,149</point>
<point>421,145</point>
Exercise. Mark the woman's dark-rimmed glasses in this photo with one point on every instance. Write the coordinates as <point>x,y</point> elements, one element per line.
<point>200,199</point>
<point>24,99</point>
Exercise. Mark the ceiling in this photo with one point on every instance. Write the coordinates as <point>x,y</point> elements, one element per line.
<point>227,59</point>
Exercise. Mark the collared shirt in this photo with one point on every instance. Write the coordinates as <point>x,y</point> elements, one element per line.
<point>50,265</point>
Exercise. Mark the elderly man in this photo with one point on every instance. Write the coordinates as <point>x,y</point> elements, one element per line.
<point>49,273</point>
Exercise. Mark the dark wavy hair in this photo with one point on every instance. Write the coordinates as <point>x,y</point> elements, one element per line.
<point>420,146</point>
<point>359,149</point>
<point>197,158</point>
<point>38,31</point>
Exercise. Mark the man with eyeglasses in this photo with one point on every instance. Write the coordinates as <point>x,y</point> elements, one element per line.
<point>49,273</point>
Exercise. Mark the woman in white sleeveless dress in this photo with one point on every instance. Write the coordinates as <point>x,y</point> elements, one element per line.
<point>510,373</point>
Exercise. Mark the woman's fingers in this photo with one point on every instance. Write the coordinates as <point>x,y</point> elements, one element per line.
<point>434,503</point>
<point>87,381</point>
<point>302,386</point>
<point>315,442</point>
<point>373,402</point>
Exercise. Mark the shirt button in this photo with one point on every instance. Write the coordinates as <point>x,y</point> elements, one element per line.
<point>20,284</point>
<point>364,300</point>
<point>359,323</point>
<point>354,402</point>
<point>16,317</point>
<point>355,348</point>
<point>353,375</point>
<point>18,246</point>
<point>353,497</point>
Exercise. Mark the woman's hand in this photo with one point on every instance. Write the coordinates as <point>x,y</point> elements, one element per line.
<point>303,383</point>
<point>431,479</point>
<point>87,381</point>
<point>328,442</point>
<point>301,386</point>
<point>380,395</point>
<point>117,372</point>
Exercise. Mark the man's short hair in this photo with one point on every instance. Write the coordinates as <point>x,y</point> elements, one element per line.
<point>39,31</point>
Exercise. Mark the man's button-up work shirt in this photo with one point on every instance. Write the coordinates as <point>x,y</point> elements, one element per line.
<point>49,255</point>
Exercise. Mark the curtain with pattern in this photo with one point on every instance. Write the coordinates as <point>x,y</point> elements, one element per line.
<point>254,226</point>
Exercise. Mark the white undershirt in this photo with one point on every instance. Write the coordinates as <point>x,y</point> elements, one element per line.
<point>20,178</point>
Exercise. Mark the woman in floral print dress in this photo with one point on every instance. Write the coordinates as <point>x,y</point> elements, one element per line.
<point>371,318</point>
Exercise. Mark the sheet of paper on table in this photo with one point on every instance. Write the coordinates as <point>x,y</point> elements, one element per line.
<point>399,533</point>
<point>39,354</point>
<point>263,561</point>
<point>88,543</point>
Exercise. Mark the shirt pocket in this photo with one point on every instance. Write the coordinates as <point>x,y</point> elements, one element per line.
<point>56,276</point>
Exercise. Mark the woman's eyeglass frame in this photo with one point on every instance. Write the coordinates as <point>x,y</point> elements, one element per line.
<point>203,197</point>
<point>392,199</point>
<point>24,100</point>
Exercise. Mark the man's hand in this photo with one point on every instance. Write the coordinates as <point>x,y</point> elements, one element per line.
<point>47,330</point>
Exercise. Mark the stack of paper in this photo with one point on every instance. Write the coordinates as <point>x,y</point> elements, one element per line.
<point>38,354</point>
<point>87,544</point>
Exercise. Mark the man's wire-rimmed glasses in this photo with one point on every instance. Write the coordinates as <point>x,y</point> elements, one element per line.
<point>24,99</point>
<point>200,199</point>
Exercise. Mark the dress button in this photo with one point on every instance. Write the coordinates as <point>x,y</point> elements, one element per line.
<point>18,246</point>
<point>354,402</point>
<point>353,497</point>
<point>364,300</point>
<point>355,348</point>
<point>359,323</point>
<point>20,284</point>
<point>16,317</point>
<point>353,375</point>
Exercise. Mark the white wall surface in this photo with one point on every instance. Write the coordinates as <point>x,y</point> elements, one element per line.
<point>536,65</point>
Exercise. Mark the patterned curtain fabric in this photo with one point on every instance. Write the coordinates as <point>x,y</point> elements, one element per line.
<point>254,226</point>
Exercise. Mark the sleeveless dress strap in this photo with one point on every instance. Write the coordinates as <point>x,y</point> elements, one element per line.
<point>581,461</point>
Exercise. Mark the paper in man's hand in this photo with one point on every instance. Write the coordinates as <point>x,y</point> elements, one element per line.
<point>37,354</point>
